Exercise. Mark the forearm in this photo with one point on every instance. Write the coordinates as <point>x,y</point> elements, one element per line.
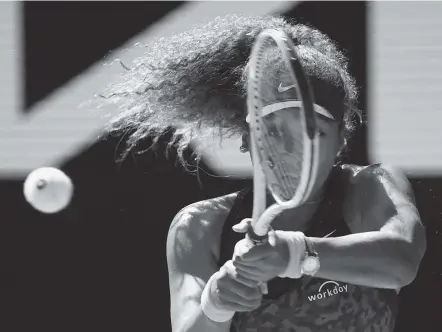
<point>194,320</point>
<point>373,259</point>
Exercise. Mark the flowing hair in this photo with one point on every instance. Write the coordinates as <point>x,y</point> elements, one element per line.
<point>193,84</point>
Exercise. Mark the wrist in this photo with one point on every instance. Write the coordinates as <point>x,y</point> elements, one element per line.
<point>209,303</point>
<point>310,262</point>
<point>296,247</point>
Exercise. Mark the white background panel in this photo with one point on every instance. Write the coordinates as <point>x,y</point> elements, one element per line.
<point>405,85</point>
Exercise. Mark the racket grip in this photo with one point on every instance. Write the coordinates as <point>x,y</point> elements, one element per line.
<point>256,240</point>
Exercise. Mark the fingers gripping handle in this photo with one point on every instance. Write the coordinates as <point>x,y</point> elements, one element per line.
<point>257,234</point>
<point>256,240</point>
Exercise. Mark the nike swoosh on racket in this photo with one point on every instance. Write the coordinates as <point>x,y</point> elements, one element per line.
<point>285,88</point>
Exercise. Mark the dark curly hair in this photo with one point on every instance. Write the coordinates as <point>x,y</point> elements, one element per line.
<point>195,82</point>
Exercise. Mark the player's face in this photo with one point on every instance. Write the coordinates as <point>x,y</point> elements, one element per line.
<point>331,143</point>
<point>284,146</point>
<point>283,126</point>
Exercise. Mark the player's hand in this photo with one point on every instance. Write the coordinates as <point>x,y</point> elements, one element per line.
<point>231,291</point>
<point>262,262</point>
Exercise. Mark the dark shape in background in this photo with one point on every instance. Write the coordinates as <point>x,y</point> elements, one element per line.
<point>100,265</point>
<point>64,38</point>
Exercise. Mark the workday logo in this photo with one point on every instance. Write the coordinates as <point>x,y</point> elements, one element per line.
<point>328,289</point>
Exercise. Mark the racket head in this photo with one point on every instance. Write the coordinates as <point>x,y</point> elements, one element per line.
<point>283,135</point>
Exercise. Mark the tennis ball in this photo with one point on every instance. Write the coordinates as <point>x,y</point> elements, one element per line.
<point>48,189</point>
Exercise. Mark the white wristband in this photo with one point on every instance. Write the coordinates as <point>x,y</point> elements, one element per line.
<point>210,308</point>
<point>296,244</point>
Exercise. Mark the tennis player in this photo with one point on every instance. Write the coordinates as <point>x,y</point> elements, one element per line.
<point>337,262</point>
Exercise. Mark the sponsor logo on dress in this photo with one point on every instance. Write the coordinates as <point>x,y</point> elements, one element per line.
<point>328,289</point>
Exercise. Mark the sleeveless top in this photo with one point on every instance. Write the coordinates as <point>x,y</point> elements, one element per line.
<point>311,304</point>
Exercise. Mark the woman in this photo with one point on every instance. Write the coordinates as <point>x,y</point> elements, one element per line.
<point>361,224</point>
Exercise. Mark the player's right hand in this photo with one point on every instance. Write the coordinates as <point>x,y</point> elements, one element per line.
<point>232,292</point>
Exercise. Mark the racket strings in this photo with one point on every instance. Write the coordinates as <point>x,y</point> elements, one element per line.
<point>285,171</point>
<point>282,168</point>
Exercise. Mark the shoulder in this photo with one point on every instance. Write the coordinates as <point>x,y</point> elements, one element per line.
<point>373,190</point>
<point>202,215</point>
<point>195,229</point>
<point>377,177</point>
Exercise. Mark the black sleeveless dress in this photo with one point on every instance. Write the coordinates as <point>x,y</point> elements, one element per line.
<point>311,304</point>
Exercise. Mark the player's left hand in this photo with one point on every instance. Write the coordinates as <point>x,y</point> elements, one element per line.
<point>262,262</point>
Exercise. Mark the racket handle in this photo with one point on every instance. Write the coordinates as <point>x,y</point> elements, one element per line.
<point>256,240</point>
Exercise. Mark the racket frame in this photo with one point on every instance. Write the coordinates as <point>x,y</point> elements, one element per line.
<point>262,216</point>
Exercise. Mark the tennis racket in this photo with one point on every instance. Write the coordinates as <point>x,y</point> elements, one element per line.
<point>284,139</point>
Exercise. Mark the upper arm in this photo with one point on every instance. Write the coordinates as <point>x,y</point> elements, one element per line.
<point>191,258</point>
<point>190,264</point>
<point>380,198</point>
